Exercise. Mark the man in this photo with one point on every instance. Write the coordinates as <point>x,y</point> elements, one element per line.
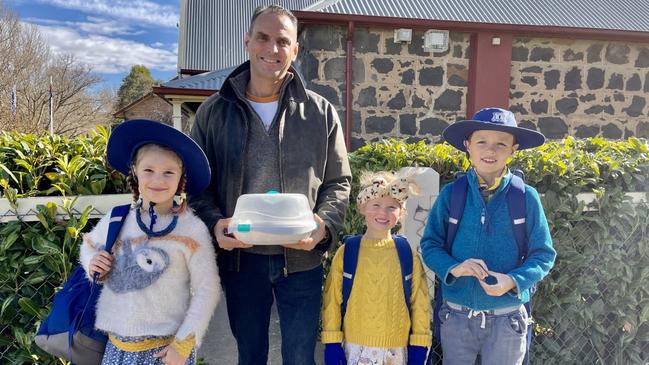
<point>264,131</point>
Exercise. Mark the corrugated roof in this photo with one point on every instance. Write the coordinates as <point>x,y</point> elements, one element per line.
<point>628,15</point>
<point>212,80</point>
<point>211,32</point>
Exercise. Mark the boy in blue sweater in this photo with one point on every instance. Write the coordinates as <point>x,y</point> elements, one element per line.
<point>484,286</point>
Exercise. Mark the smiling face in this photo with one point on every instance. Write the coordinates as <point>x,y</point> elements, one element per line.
<point>489,151</point>
<point>272,46</point>
<point>381,215</point>
<point>158,171</point>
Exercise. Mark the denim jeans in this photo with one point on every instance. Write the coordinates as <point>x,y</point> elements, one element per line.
<point>249,294</point>
<point>499,339</point>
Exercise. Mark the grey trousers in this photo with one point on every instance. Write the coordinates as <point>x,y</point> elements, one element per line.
<point>499,339</point>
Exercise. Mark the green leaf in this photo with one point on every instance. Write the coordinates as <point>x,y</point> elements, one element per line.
<point>28,306</point>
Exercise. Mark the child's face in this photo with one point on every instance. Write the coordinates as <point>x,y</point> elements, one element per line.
<point>158,174</point>
<point>381,215</point>
<point>489,151</point>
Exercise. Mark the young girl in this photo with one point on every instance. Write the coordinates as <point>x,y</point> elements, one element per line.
<point>377,327</point>
<point>160,282</point>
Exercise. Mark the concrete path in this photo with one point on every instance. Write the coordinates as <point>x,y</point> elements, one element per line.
<point>220,348</point>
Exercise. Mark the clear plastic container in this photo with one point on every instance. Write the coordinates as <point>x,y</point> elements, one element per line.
<point>272,219</point>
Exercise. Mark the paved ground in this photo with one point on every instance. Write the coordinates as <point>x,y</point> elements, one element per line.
<point>219,347</point>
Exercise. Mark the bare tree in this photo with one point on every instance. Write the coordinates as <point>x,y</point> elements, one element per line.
<point>31,65</point>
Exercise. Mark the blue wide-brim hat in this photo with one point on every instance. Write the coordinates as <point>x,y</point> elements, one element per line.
<point>129,136</point>
<point>494,119</point>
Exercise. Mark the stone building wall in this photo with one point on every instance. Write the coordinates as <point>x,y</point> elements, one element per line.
<point>399,90</point>
<point>582,88</point>
<point>558,86</point>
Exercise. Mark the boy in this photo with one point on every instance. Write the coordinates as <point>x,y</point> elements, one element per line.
<point>484,283</point>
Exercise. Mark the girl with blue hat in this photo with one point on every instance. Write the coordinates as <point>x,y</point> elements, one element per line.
<point>485,281</point>
<point>160,281</point>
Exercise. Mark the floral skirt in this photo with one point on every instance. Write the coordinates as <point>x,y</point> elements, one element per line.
<point>115,356</point>
<point>363,355</point>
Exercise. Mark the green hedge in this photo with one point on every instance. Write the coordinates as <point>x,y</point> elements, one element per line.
<point>33,165</point>
<point>592,309</point>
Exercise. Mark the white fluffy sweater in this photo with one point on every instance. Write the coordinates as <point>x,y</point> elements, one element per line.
<point>157,286</point>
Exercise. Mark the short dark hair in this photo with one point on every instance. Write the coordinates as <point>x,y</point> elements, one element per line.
<point>275,9</point>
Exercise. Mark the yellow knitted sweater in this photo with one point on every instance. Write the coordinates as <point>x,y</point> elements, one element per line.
<point>377,315</point>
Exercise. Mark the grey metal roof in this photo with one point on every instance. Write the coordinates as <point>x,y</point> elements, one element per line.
<point>212,80</point>
<point>211,31</point>
<point>629,15</point>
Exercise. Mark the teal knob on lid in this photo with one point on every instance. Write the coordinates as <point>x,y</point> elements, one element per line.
<point>243,227</point>
<point>272,192</point>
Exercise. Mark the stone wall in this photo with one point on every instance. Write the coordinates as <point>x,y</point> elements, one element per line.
<point>583,88</point>
<point>399,90</point>
<point>558,86</point>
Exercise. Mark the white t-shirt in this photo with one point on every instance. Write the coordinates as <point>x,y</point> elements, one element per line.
<point>266,110</point>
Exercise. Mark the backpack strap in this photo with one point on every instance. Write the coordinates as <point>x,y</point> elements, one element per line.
<point>458,200</point>
<point>517,213</point>
<point>406,261</point>
<point>350,260</point>
<point>117,216</point>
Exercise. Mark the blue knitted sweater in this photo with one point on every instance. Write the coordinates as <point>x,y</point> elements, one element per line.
<point>492,241</point>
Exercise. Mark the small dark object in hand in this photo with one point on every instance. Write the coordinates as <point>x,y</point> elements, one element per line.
<point>491,280</point>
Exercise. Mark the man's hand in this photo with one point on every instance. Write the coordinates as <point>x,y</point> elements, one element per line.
<point>310,242</point>
<point>227,241</point>
<point>471,267</point>
<point>101,264</point>
<point>504,284</point>
<point>169,356</point>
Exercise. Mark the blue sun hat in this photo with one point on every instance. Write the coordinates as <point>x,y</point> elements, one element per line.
<point>129,136</point>
<point>494,119</point>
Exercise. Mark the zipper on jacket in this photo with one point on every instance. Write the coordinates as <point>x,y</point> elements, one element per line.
<point>285,263</point>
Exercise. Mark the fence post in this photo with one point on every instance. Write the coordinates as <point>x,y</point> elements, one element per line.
<point>417,208</point>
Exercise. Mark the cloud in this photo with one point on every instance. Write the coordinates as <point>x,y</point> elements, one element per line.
<point>140,11</point>
<point>94,25</point>
<point>108,55</point>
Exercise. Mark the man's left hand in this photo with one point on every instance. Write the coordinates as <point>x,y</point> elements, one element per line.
<point>504,284</point>
<point>317,235</point>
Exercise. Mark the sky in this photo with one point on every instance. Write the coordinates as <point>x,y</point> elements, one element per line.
<point>110,36</point>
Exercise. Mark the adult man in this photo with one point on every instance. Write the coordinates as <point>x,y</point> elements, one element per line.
<point>264,131</point>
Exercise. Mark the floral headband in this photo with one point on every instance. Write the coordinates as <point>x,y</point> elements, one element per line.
<point>379,187</point>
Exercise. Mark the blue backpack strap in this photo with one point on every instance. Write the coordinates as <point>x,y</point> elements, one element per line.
<point>456,209</point>
<point>517,213</point>
<point>350,260</point>
<point>117,216</point>
<point>406,261</point>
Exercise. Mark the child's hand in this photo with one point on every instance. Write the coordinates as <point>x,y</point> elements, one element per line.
<point>169,356</point>
<point>101,263</point>
<point>226,241</point>
<point>471,267</point>
<point>504,284</point>
<point>317,235</point>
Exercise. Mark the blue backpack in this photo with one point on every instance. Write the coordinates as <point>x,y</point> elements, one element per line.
<point>517,212</point>
<point>350,261</point>
<point>69,330</point>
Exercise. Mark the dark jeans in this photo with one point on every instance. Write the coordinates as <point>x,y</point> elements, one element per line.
<point>249,295</point>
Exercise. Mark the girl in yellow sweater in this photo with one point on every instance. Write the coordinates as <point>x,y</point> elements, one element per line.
<point>377,327</point>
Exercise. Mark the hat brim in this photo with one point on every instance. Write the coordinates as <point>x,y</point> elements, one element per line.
<point>130,135</point>
<point>456,133</point>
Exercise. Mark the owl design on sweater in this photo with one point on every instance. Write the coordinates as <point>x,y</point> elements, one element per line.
<point>137,268</point>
